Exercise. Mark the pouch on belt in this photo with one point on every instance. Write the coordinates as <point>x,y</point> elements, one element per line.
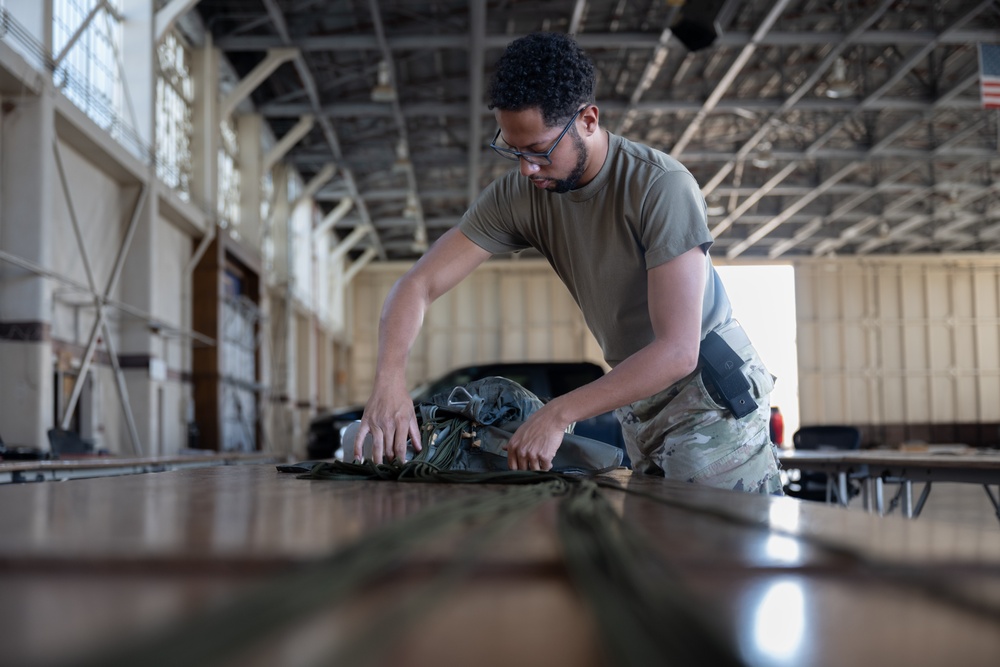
<point>724,369</point>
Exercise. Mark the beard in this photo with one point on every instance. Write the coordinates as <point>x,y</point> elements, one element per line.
<point>562,185</point>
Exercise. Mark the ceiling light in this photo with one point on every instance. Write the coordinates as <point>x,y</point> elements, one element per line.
<point>715,207</point>
<point>838,86</point>
<point>402,162</point>
<point>412,209</point>
<point>383,90</point>
<point>763,158</point>
<point>419,240</point>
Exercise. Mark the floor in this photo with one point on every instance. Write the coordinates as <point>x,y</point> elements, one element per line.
<point>965,504</point>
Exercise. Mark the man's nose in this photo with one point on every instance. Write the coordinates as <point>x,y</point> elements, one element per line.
<point>528,168</point>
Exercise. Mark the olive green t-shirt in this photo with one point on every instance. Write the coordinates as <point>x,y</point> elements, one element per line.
<point>642,210</point>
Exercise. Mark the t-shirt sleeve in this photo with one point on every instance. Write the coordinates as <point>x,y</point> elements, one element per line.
<point>491,222</point>
<point>673,218</point>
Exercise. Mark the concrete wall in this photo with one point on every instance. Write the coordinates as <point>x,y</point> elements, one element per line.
<point>174,249</point>
<point>47,310</point>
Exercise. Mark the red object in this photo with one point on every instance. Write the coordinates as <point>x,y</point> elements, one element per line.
<point>777,426</point>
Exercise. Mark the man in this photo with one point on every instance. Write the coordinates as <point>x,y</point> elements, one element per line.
<point>624,226</point>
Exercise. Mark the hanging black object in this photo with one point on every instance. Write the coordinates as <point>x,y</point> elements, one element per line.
<point>696,29</point>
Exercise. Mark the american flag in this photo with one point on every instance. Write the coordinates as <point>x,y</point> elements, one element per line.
<point>989,75</point>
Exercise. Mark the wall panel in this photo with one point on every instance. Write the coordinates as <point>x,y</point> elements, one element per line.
<point>505,311</point>
<point>96,201</point>
<point>907,348</point>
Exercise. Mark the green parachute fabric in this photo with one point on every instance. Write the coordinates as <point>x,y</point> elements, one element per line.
<point>467,428</point>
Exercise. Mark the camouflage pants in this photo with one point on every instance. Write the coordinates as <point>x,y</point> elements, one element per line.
<point>684,434</point>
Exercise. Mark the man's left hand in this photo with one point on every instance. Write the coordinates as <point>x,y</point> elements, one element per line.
<point>534,444</point>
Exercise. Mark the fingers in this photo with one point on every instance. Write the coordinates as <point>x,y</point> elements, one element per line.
<point>521,457</point>
<point>359,441</point>
<point>383,444</point>
<point>387,444</point>
<point>530,461</point>
<point>415,436</point>
<point>397,445</point>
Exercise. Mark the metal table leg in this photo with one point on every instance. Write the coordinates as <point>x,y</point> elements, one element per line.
<point>993,499</point>
<point>907,498</point>
<point>842,488</point>
<point>923,498</point>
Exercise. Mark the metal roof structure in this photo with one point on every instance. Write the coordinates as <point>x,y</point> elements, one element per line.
<point>815,127</point>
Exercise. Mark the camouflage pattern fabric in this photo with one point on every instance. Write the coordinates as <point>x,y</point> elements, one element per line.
<point>684,434</point>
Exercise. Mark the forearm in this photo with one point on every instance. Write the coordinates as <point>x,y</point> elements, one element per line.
<point>651,369</point>
<point>648,371</point>
<point>389,416</point>
<point>675,294</point>
<point>399,324</point>
<point>450,259</point>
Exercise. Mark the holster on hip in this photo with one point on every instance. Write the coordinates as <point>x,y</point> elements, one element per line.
<point>722,369</point>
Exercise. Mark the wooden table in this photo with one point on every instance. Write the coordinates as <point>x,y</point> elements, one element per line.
<point>874,467</point>
<point>76,467</point>
<point>88,566</point>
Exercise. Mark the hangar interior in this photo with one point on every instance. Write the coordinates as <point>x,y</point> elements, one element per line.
<point>205,202</point>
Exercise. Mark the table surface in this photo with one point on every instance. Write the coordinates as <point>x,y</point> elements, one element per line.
<point>958,458</point>
<point>86,564</point>
<point>96,462</point>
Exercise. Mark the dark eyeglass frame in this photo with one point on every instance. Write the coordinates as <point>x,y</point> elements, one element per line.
<point>540,159</point>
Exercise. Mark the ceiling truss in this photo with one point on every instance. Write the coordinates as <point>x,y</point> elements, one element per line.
<point>904,162</point>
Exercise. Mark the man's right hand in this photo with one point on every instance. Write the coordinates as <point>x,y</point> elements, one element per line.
<point>390,419</point>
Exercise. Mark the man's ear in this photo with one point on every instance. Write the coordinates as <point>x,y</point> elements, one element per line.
<point>590,117</point>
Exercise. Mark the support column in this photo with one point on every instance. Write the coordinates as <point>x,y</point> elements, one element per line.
<point>27,172</point>
<point>205,142</point>
<point>139,68</point>
<point>282,319</point>
<point>205,137</point>
<point>141,349</point>
<point>249,128</point>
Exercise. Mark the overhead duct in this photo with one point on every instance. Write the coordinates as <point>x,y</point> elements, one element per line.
<point>697,25</point>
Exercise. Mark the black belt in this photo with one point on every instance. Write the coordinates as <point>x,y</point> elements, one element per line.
<point>723,368</point>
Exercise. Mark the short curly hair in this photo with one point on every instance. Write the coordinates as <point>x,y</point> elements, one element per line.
<point>544,70</point>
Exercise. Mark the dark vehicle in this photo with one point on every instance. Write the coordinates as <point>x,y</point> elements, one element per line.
<point>544,379</point>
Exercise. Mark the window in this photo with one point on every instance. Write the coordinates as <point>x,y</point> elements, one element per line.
<point>229,180</point>
<point>300,236</point>
<point>267,229</point>
<point>174,96</point>
<point>89,73</point>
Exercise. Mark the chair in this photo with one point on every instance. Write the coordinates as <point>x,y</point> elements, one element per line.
<point>68,442</point>
<point>815,485</point>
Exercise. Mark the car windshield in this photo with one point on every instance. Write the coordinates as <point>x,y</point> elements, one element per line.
<point>464,376</point>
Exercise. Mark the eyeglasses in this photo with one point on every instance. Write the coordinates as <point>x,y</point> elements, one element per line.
<point>534,158</point>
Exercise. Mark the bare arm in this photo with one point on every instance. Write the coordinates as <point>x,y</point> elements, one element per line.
<point>389,415</point>
<point>676,291</point>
